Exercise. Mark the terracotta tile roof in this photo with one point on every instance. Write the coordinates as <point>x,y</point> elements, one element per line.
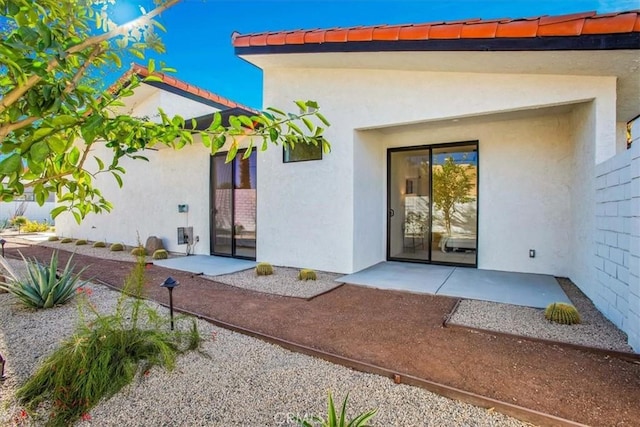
<point>586,23</point>
<point>181,86</point>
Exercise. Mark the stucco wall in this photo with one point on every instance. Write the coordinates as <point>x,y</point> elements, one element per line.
<point>617,255</point>
<point>524,186</point>
<point>344,195</point>
<point>148,202</point>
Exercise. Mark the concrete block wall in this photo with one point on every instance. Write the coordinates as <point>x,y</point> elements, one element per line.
<point>617,236</point>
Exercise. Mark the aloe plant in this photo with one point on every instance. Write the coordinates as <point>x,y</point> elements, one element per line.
<point>333,420</point>
<point>43,286</point>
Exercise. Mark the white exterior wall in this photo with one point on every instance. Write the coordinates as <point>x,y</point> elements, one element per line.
<point>147,204</point>
<point>617,252</point>
<point>524,188</point>
<point>335,204</point>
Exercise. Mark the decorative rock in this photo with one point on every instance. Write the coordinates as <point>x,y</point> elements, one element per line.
<point>153,244</point>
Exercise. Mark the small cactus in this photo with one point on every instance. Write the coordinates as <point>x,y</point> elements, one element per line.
<point>139,251</point>
<point>565,314</point>
<point>264,269</point>
<point>66,240</point>
<point>53,238</point>
<point>116,247</point>
<point>99,245</point>
<point>307,274</point>
<point>160,254</point>
<point>81,242</point>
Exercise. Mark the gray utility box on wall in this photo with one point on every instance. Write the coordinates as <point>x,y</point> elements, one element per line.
<point>185,235</point>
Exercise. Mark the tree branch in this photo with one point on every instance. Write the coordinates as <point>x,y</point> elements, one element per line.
<point>10,98</point>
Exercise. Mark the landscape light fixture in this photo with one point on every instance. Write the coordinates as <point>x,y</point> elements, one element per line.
<point>170,283</point>
<point>2,242</point>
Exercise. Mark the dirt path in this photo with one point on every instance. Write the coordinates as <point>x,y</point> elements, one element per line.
<point>403,332</point>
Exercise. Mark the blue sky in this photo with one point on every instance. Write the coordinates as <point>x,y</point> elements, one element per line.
<point>198,37</point>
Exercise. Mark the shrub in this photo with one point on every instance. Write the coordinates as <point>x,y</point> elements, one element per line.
<point>116,247</point>
<point>139,251</point>
<point>264,269</point>
<point>18,221</point>
<point>66,240</point>
<point>44,287</point>
<point>53,238</point>
<point>81,242</point>
<point>99,245</point>
<point>104,355</point>
<point>35,226</point>
<point>559,312</point>
<point>160,254</point>
<point>307,274</point>
<point>333,420</point>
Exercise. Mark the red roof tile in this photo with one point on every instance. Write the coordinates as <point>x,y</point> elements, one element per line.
<point>183,86</point>
<point>543,26</point>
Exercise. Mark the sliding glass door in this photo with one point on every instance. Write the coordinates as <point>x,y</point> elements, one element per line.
<point>432,204</point>
<point>233,206</point>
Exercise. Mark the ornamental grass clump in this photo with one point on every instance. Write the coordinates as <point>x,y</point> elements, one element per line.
<point>43,286</point>
<point>104,354</point>
<point>562,313</point>
<point>264,269</point>
<point>307,274</point>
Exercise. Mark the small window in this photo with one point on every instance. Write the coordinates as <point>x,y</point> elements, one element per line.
<point>302,152</point>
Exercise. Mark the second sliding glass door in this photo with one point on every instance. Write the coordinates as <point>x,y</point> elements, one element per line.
<point>432,204</point>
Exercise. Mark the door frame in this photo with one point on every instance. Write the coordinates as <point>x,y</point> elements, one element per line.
<point>212,206</point>
<point>431,147</point>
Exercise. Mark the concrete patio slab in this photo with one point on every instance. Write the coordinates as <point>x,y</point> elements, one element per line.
<point>402,276</point>
<point>208,265</point>
<point>531,290</point>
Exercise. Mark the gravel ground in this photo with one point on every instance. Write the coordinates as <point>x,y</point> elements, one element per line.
<point>594,331</point>
<point>283,281</point>
<point>238,381</point>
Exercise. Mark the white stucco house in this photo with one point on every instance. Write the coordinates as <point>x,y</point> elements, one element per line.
<point>495,144</point>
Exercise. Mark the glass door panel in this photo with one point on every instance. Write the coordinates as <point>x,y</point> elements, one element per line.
<point>409,188</point>
<point>222,203</point>
<point>244,206</point>
<point>454,175</point>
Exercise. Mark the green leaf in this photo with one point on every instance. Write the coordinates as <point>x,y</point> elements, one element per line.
<point>217,121</point>
<point>11,164</point>
<point>302,105</point>
<point>99,162</point>
<point>235,122</point>
<point>57,211</point>
<point>58,145</point>
<point>39,151</point>
<point>153,78</point>
<point>308,124</point>
<point>322,119</point>
<point>41,133</point>
<point>74,156</point>
<point>64,120</point>
<point>118,178</point>
<point>151,66</point>
<point>206,139</point>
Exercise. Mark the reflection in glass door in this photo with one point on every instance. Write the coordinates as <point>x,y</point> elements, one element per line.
<point>433,204</point>
<point>233,206</point>
<point>409,204</point>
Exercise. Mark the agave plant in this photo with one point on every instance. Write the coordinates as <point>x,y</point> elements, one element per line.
<point>333,420</point>
<point>43,286</point>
